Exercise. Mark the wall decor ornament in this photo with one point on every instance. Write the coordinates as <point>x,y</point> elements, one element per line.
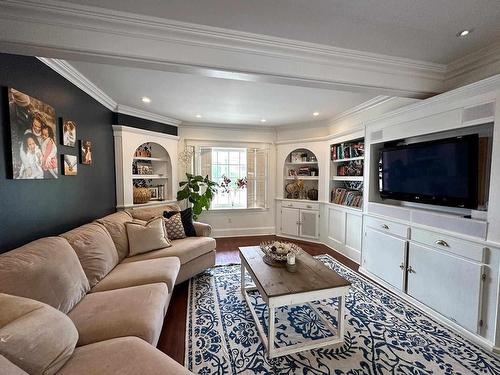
<point>68,133</point>
<point>70,163</point>
<point>33,137</point>
<point>86,152</point>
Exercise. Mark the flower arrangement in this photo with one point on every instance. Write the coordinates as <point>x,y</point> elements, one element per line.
<point>241,183</point>
<point>225,184</point>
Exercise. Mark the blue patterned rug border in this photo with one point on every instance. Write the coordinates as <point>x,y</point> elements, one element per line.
<point>408,304</point>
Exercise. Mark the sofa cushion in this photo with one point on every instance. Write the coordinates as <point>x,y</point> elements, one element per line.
<point>161,270</point>
<point>95,249</point>
<point>34,336</point>
<point>146,237</point>
<point>46,270</point>
<point>115,225</point>
<point>135,311</point>
<point>8,368</point>
<point>187,220</point>
<point>124,356</point>
<point>186,249</point>
<point>148,213</point>
<point>174,227</point>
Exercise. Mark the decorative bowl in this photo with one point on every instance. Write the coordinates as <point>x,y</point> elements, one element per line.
<point>277,251</point>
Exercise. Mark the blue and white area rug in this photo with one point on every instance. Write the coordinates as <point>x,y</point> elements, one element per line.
<point>384,334</point>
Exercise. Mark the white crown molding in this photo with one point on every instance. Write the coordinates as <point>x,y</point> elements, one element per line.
<point>473,61</point>
<point>79,80</point>
<point>119,130</point>
<point>126,110</point>
<point>167,44</point>
<point>69,72</point>
<point>369,104</point>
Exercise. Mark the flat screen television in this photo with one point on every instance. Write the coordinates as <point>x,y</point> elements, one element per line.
<point>442,172</point>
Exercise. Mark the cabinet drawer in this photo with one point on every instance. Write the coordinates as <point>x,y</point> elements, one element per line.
<point>390,227</point>
<point>303,205</point>
<point>466,249</point>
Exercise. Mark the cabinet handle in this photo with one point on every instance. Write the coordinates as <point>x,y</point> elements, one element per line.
<point>385,226</point>
<point>410,270</point>
<point>402,266</point>
<point>290,205</point>
<point>442,243</point>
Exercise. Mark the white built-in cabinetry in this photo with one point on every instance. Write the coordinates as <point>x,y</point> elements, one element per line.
<point>299,219</point>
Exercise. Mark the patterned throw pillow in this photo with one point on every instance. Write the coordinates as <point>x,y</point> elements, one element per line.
<point>187,220</point>
<point>174,227</point>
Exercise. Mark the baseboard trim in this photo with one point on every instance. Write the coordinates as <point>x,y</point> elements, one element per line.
<point>243,232</point>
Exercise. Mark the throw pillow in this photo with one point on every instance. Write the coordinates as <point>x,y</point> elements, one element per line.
<point>174,227</point>
<point>146,237</point>
<point>186,218</point>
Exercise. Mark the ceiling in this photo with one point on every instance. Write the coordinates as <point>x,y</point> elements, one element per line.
<point>422,30</point>
<point>220,101</point>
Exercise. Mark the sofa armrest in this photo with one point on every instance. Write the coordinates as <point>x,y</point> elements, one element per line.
<point>202,229</point>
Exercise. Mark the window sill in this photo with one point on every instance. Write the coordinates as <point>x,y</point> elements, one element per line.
<point>236,209</point>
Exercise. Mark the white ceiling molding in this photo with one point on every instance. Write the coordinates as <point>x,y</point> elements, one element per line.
<point>126,110</point>
<point>67,71</point>
<point>100,35</point>
<point>79,80</point>
<point>360,108</point>
<point>119,129</point>
<point>474,66</point>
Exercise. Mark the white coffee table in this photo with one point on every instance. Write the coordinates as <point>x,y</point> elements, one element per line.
<point>312,281</point>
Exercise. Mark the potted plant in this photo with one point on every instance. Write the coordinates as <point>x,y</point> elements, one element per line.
<point>198,191</point>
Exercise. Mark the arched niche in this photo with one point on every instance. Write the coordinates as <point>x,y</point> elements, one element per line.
<point>301,175</point>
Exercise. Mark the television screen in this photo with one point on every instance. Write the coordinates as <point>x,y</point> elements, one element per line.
<point>442,172</point>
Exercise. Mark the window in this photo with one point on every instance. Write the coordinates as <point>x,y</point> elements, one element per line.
<point>240,172</point>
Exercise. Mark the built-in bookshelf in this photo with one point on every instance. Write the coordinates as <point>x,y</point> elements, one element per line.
<point>301,175</point>
<point>346,173</point>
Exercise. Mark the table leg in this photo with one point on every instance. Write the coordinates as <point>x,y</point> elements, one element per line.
<point>340,316</point>
<point>270,333</point>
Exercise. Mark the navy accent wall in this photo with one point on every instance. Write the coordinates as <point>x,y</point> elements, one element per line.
<point>137,122</point>
<point>31,209</point>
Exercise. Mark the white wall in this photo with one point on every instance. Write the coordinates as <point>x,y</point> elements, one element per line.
<point>236,222</point>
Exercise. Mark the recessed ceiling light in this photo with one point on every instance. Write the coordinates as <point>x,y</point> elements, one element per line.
<point>316,114</point>
<point>145,99</point>
<point>198,116</point>
<point>263,120</point>
<point>464,33</point>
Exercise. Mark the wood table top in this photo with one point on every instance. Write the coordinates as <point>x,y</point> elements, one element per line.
<point>310,274</point>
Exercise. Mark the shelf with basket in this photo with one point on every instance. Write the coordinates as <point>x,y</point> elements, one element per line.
<point>150,170</point>
<point>346,171</point>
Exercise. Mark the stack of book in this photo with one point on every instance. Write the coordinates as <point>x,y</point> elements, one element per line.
<point>347,150</point>
<point>351,198</point>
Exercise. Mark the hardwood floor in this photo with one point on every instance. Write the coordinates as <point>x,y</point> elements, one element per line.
<point>172,338</point>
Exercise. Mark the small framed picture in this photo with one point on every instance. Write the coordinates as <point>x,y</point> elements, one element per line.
<point>70,165</point>
<point>86,152</point>
<point>154,193</point>
<point>144,168</point>
<point>68,132</point>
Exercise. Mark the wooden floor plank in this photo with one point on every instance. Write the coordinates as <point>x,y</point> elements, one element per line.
<point>172,338</point>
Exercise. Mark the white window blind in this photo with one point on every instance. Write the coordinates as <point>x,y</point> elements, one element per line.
<point>244,164</point>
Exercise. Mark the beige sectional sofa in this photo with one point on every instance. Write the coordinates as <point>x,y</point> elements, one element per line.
<point>77,304</point>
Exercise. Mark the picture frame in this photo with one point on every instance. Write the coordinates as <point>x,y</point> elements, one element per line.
<point>68,132</point>
<point>86,152</point>
<point>33,130</point>
<point>70,165</point>
<point>144,168</point>
<point>154,193</point>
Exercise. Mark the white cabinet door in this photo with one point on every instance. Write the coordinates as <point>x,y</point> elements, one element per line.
<point>309,224</point>
<point>336,225</point>
<point>290,221</point>
<point>384,256</point>
<point>353,231</point>
<point>446,283</point>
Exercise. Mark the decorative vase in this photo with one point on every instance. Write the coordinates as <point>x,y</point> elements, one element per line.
<point>312,194</point>
<point>141,195</point>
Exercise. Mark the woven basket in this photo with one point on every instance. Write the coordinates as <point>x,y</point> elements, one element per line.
<point>142,195</point>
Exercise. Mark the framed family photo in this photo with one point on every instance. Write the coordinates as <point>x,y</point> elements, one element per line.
<point>33,137</point>
<point>86,152</point>
<point>68,133</point>
<point>70,165</point>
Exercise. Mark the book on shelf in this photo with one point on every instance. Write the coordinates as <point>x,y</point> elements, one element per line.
<point>347,150</point>
<point>344,197</point>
